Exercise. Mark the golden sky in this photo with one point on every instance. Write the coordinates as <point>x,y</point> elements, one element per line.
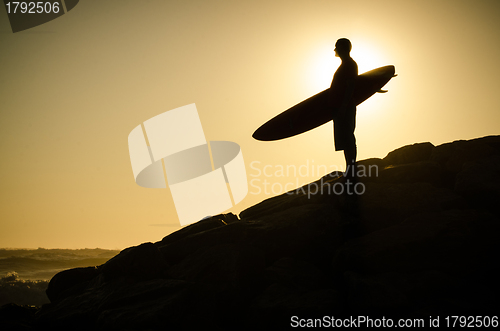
<point>71,90</point>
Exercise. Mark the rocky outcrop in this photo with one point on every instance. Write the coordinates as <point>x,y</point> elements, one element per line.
<point>419,239</point>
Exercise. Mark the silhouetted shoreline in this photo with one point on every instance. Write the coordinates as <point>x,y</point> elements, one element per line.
<point>420,241</point>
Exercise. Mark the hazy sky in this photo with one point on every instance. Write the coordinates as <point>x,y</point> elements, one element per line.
<point>71,90</point>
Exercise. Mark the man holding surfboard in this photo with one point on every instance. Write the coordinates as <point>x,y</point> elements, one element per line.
<point>337,103</point>
<point>344,115</point>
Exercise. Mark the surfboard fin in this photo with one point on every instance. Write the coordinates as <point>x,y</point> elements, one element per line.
<point>382,91</point>
<point>395,75</point>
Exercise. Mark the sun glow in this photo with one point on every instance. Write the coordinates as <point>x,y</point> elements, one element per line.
<point>367,57</point>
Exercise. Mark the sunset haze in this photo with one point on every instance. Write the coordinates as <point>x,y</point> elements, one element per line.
<point>72,89</point>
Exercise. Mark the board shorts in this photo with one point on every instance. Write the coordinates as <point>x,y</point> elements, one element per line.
<point>343,130</point>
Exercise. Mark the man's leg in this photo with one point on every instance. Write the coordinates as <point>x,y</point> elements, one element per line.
<point>350,154</point>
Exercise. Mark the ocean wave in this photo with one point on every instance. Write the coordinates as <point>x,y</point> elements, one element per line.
<point>25,273</point>
<point>22,292</point>
<point>43,264</point>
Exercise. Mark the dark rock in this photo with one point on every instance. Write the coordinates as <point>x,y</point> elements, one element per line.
<point>451,241</point>
<point>156,304</point>
<point>203,225</point>
<point>178,250</point>
<point>410,154</point>
<point>295,273</point>
<point>232,268</point>
<point>296,288</point>
<point>68,282</point>
<point>420,240</point>
<point>401,293</point>
<point>141,262</point>
<point>16,317</point>
<point>479,181</point>
<point>453,155</point>
<point>124,304</point>
<point>418,172</point>
<point>386,204</point>
<point>274,308</point>
<point>294,230</point>
<point>277,204</point>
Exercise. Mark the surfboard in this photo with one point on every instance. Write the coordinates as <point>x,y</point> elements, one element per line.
<point>320,108</point>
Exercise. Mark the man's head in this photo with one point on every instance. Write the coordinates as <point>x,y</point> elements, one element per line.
<point>342,47</point>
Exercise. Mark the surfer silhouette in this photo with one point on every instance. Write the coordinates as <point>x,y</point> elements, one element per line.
<point>344,117</point>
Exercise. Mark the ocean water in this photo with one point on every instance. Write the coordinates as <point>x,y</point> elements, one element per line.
<point>25,273</point>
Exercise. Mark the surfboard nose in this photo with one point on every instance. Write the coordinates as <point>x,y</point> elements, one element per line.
<point>258,135</point>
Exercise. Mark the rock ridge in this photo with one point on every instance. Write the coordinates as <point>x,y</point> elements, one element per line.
<point>420,240</point>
